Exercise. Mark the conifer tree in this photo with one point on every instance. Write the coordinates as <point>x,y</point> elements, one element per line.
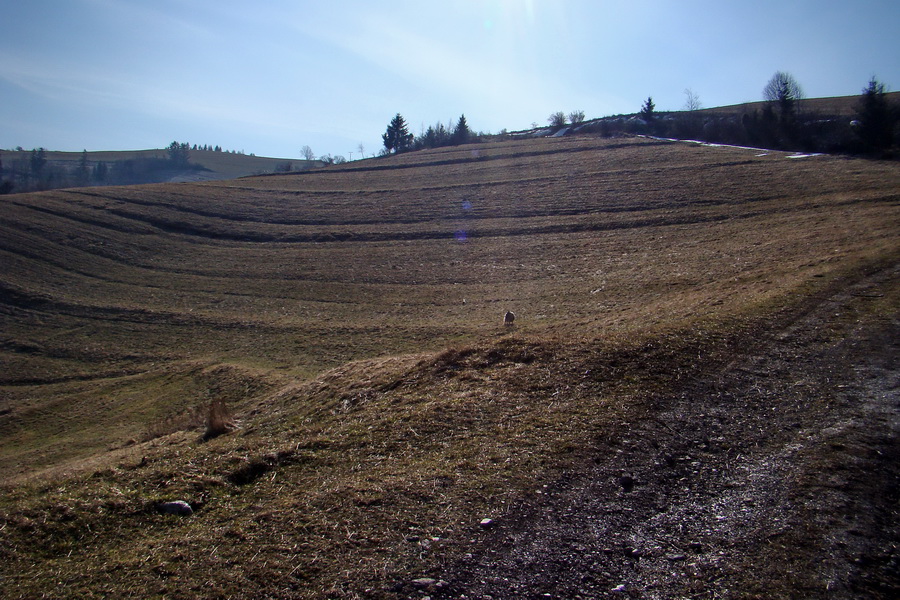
<point>397,138</point>
<point>461,133</point>
<point>648,109</point>
<point>875,117</point>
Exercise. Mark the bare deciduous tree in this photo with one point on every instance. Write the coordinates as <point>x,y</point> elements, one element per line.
<point>557,119</point>
<point>307,153</point>
<point>691,101</point>
<point>784,91</point>
<point>576,117</point>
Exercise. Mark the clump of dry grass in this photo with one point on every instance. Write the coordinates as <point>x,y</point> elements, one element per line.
<point>180,421</point>
<point>218,420</point>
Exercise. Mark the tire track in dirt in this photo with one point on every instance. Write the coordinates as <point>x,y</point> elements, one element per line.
<point>776,477</point>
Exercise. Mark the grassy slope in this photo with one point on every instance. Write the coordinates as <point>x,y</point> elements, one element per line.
<point>355,332</point>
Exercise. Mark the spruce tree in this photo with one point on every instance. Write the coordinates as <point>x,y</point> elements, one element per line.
<point>397,138</point>
<point>876,119</point>
<point>461,133</point>
<point>647,110</point>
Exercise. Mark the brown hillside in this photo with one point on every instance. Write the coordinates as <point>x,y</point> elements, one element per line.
<point>837,106</point>
<point>688,318</point>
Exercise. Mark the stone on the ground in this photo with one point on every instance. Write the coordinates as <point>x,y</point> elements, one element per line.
<point>178,507</point>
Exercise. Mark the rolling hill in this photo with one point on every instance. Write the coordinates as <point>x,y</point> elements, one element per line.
<point>835,106</point>
<point>144,166</point>
<point>701,332</point>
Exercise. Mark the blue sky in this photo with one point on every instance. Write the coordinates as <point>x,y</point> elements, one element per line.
<point>269,77</point>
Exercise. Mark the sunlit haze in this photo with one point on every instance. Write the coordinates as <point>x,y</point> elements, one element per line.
<point>270,77</point>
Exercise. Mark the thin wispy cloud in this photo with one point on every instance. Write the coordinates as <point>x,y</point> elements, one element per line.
<point>62,82</point>
<point>281,74</point>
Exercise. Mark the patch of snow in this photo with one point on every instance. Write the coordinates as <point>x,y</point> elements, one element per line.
<point>708,144</point>
<point>561,132</point>
<point>762,151</point>
<point>712,145</point>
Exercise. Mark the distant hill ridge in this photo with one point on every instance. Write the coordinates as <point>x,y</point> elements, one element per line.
<point>207,165</point>
<point>836,106</point>
<point>818,125</point>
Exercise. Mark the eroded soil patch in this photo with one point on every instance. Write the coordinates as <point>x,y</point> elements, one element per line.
<point>774,478</point>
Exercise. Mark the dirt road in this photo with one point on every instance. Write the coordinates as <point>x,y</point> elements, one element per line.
<point>777,477</point>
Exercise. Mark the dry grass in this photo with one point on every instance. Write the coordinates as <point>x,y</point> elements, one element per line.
<point>357,335</point>
<point>218,420</point>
